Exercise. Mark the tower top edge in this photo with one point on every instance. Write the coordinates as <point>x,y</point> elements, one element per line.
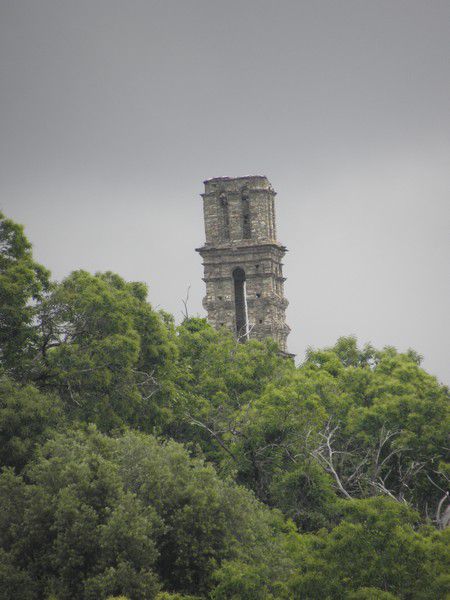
<point>226,178</point>
<point>252,182</point>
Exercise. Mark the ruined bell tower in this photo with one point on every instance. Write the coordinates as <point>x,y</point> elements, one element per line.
<point>242,259</point>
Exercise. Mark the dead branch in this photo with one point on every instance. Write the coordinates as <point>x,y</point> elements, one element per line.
<point>324,454</point>
<point>185,302</point>
<point>214,434</point>
<point>147,380</point>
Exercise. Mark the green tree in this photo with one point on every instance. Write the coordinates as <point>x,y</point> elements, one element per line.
<point>27,417</point>
<point>207,520</point>
<point>220,378</point>
<point>377,545</point>
<point>14,582</point>
<point>23,282</point>
<point>255,581</point>
<point>95,516</point>
<point>107,352</point>
<point>389,423</point>
<point>73,529</point>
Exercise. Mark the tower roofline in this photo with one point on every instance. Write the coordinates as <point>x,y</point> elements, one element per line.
<point>237,185</point>
<point>225,178</point>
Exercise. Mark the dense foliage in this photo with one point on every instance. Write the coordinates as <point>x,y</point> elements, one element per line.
<point>147,461</point>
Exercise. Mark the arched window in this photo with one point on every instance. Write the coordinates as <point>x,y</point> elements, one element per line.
<point>246,223</point>
<point>240,304</point>
<point>225,217</point>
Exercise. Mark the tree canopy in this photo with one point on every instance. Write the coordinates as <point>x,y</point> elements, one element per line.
<point>145,460</point>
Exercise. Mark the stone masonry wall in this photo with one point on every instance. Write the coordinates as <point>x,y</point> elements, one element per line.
<point>240,232</point>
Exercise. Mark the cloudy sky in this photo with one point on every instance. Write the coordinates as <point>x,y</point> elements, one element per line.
<point>112,113</point>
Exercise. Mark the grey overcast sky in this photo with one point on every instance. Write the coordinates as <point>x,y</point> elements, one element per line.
<point>112,113</point>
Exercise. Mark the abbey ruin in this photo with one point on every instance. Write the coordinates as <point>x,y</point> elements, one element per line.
<point>242,258</point>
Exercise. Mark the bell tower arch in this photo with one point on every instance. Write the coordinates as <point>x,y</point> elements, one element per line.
<point>240,303</point>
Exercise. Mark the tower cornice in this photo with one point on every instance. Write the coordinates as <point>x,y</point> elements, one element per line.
<point>233,248</point>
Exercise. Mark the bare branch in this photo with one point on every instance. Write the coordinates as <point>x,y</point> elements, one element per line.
<point>213,433</point>
<point>185,301</point>
<point>325,453</point>
<point>443,521</point>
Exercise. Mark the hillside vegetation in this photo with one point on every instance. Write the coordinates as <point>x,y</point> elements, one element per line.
<point>151,461</point>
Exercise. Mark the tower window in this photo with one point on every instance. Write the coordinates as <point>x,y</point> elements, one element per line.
<point>246,222</point>
<point>225,218</point>
<point>240,304</point>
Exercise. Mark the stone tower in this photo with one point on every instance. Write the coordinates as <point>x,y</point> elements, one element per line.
<point>242,259</point>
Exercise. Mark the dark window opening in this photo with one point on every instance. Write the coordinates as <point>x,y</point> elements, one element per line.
<point>260,320</point>
<point>225,217</point>
<point>258,295</point>
<point>246,223</point>
<point>240,304</point>
<point>220,297</point>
